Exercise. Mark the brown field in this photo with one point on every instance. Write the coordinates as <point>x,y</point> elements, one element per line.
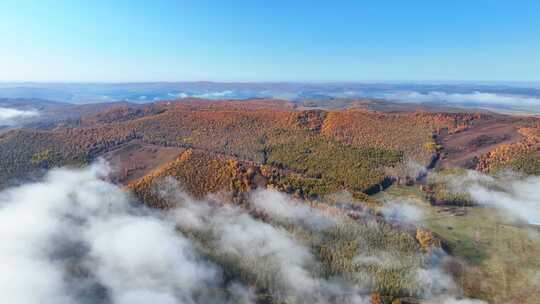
<point>136,159</point>
<point>485,135</point>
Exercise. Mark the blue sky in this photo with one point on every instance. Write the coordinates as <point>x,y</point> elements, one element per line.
<point>118,41</point>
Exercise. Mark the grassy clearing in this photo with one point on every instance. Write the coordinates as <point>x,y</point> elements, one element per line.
<point>503,258</point>
<point>500,256</point>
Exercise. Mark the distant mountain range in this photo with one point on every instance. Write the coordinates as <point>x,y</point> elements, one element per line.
<point>510,97</point>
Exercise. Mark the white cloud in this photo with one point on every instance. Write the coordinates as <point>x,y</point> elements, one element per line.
<point>157,268</point>
<point>73,231</point>
<point>9,116</point>
<point>480,98</point>
<point>207,95</point>
<point>75,238</point>
<point>280,95</point>
<point>268,249</point>
<point>215,95</point>
<point>268,252</point>
<point>178,95</point>
<point>434,282</point>
<point>453,300</point>
<point>517,196</point>
<point>344,94</point>
<point>238,234</point>
<point>402,210</point>
<point>281,206</point>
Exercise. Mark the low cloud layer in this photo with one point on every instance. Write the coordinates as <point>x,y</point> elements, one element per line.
<point>280,206</point>
<point>515,194</point>
<point>216,95</point>
<point>269,254</point>
<point>472,99</point>
<point>443,300</point>
<point>402,210</point>
<point>9,116</point>
<point>75,238</point>
<point>207,95</point>
<point>267,249</point>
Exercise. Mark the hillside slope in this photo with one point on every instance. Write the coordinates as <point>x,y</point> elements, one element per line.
<point>257,131</point>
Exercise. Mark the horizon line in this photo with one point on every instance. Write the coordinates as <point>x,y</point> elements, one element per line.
<point>374,81</point>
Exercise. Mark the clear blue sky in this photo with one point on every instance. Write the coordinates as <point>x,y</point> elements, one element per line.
<point>269,40</point>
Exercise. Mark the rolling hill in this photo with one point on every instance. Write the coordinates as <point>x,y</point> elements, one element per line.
<point>336,163</point>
